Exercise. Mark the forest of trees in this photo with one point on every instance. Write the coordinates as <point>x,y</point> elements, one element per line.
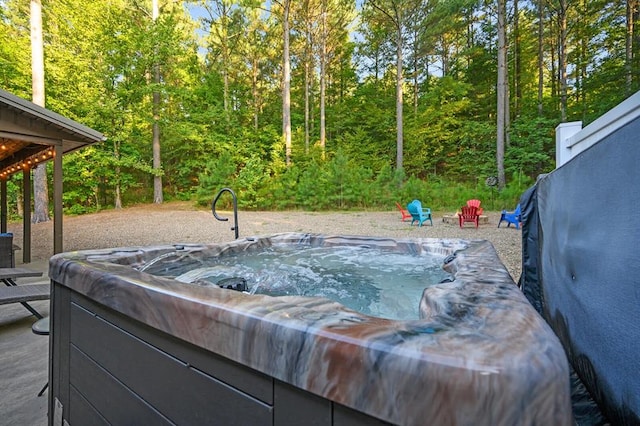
<point>320,104</point>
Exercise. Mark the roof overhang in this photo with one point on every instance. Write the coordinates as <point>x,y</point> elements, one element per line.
<point>29,133</point>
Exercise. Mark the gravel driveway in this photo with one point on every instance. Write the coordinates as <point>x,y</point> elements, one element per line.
<point>180,222</point>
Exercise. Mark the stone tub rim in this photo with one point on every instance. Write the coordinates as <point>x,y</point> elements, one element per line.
<point>325,336</point>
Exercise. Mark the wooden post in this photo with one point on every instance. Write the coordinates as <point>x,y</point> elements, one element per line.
<point>57,199</point>
<point>3,205</point>
<point>26,215</point>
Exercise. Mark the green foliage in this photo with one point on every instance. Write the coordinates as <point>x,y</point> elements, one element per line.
<point>220,110</point>
<point>249,182</point>
<point>532,148</point>
<point>386,184</point>
<point>14,195</point>
<point>14,55</point>
<point>339,183</point>
<point>81,182</point>
<point>348,183</point>
<point>312,188</point>
<point>218,173</point>
<point>444,195</point>
<point>365,126</point>
<point>282,190</point>
<point>78,209</point>
<point>510,195</point>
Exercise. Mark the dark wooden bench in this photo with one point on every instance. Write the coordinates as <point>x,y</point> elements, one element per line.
<point>14,293</point>
<point>24,293</point>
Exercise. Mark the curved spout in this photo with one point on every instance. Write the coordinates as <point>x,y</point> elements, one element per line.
<point>235,209</point>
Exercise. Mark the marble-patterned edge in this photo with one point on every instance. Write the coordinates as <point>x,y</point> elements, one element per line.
<point>479,351</point>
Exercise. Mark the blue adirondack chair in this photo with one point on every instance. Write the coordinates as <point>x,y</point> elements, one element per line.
<point>418,213</point>
<point>514,217</point>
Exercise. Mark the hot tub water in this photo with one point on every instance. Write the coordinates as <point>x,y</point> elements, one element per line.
<point>369,280</point>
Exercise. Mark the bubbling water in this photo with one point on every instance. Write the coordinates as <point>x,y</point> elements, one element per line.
<point>369,280</point>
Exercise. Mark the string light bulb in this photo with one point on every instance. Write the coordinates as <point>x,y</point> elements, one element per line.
<point>27,162</point>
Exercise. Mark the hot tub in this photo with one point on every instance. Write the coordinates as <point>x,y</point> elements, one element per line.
<point>129,346</point>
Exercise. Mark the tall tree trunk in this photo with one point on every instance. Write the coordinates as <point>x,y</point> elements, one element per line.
<point>415,72</point>
<point>116,154</point>
<point>399,105</point>
<point>157,164</point>
<point>307,81</point>
<point>224,47</point>
<point>562,58</point>
<point>323,78</point>
<point>517,60</point>
<point>554,69</point>
<point>395,16</point>
<point>286,83</point>
<point>628,59</point>
<point>540,55</point>
<point>635,44</point>
<point>220,20</point>
<point>19,204</point>
<point>501,91</point>
<point>444,59</point>
<point>225,86</point>
<point>582,60</point>
<point>376,65</point>
<point>40,185</point>
<point>254,91</point>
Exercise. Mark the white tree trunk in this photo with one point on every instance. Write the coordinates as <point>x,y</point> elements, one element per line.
<point>118,196</point>
<point>40,186</point>
<point>254,91</point>
<point>286,84</point>
<point>562,59</point>
<point>631,5</point>
<point>308,59</point>
<point>323,78</point>
<point>501,91</point>
<point>540,55</point>
<point>157,163</point>
<point>399,104</point>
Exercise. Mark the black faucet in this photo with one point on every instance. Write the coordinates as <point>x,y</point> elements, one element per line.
<point>235,209</point>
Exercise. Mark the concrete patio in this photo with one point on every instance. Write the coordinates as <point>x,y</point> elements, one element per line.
<point>23,359</point>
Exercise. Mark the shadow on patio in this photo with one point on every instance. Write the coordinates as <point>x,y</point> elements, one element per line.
<point>23,360</point>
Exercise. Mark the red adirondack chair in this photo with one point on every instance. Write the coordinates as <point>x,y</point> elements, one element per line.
<point>476,204</point>
<point>405,214</point>
<point>469,214</point>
